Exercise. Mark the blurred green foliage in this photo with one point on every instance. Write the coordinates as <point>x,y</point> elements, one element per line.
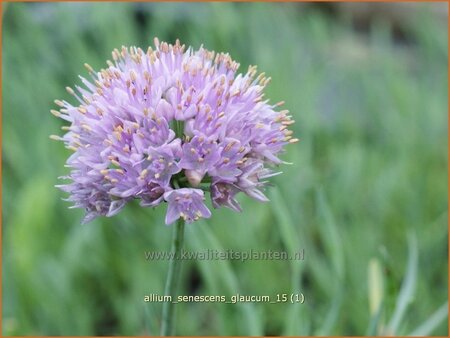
<point>371,168</point>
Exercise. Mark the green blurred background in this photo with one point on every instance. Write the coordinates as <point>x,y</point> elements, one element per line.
<point>367,85</point>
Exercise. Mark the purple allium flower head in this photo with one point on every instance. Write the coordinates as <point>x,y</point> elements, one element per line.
<point>166,125</point>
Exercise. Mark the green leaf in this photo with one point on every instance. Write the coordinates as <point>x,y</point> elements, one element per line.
<point>408,286</point>
<point>427,327</point>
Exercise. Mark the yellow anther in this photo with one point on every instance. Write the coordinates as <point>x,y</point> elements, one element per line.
<point>55,137</point>
<point>143,173</point>
<point>89,68</point>
<point>55,112</point>
<point>59,103</point>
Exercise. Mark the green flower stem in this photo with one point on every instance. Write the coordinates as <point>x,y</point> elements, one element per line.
<point>168,312</point>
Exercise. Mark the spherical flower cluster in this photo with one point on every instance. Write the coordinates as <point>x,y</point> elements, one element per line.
<point>166,125</point>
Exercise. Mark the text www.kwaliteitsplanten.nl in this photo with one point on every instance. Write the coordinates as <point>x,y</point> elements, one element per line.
<point>229,254</point>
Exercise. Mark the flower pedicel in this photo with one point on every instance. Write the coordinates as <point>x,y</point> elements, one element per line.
<point>166,126</point>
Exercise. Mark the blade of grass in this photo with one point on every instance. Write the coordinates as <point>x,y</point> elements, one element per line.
<point>408,286</point>
<point>332,314</point>
<point>427,327</point>
<point>296,322</point>
<point>223,271</point>
<point>330,234</point>
<point>333,246</point>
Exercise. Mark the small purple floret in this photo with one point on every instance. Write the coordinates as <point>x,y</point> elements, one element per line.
<point>186,203</point>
